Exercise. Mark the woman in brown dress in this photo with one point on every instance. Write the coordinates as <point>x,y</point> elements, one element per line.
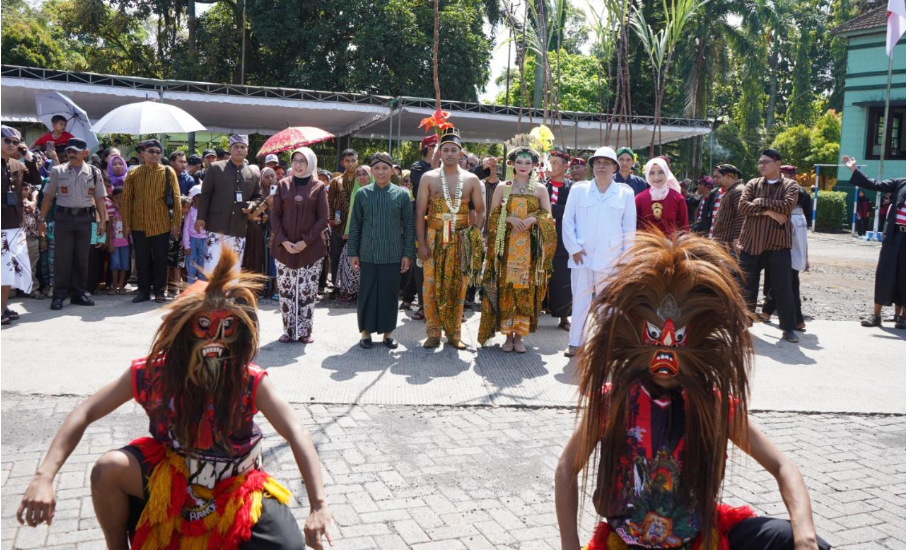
<point>299,217</point>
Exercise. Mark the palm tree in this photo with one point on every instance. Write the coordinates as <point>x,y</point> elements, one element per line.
<point>762,30</point>
<point>661,45</point>
<point>708,60</point>
<point>436,47</point>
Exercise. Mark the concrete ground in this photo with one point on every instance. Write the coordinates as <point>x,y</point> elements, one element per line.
<point>456,449</point>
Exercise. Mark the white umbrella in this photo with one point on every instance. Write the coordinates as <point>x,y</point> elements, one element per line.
<point>147,118</point>
<point>50,104</point>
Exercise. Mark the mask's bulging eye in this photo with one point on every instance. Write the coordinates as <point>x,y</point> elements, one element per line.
<point>653,331</point>
<point>228,323</point>
<point>681,336</point>
<point>204,322</point>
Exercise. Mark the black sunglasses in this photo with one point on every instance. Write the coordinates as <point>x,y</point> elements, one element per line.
<point>12,141</point>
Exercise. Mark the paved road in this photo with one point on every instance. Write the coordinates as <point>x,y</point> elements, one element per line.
<point>450,449</point>
<point>473,477</point>
<point>838,366</point>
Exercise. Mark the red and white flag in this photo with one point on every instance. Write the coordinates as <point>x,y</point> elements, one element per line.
<point>896,23</point>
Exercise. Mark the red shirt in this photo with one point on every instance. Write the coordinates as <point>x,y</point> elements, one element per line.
<point>61,141</point>
<point>673,215</point>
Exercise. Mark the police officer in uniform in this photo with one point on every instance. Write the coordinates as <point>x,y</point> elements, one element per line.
<point>79,189</point>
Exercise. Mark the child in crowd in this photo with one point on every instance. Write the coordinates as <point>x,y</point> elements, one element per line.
<point>30,224</point>
<point>193,242</point>
<point>117,242</point>
<point>176,258</point>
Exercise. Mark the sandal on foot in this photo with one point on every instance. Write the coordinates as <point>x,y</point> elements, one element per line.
<point>456,344</point>
<point>519,347</point>
<point>307,339</point>
<point>13,315</point>
<point>764,317</point>
<point>285,339</point>
<point>507,347</point>
<point>565,325</point>
<point>418,315</point>
<point>5,320</point>
<point>432,343</point>
<point>872,321</point>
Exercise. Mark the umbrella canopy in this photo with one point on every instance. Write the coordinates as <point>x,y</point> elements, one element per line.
<point>147,118</point>
<point>292,138</point>
<point>49,104</point>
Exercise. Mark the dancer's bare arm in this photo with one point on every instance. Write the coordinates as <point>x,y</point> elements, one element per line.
<point>566,495</point>
<point>39,502</point>
<point>792,486</point>
<point>281,415</point>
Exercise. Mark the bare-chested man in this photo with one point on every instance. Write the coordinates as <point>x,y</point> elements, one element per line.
<point>444,196</point>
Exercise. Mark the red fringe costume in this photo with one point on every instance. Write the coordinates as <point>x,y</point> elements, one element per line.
<point>238,505</point>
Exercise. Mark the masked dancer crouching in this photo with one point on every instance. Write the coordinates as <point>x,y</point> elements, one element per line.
<point>664,383</point>
<point>197,482</point>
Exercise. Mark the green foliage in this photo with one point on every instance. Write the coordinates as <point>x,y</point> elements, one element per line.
<point>374,46</point>
<point>578,82</point>
<point>795,143</point>
<point>29,43</point>
<point>831,211</point>
<point>727,145</point>
<point>825,137</point>
<point>380,46</point>
<point>804,147</point>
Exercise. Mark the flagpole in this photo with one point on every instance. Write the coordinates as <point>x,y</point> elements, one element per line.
<point>884,137</point>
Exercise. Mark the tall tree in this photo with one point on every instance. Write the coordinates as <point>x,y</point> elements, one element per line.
<point>660,47</point>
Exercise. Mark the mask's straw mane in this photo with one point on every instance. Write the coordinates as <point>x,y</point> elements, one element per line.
<point>714,363</point>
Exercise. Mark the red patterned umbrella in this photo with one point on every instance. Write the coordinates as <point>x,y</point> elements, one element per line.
<point>292,138</point>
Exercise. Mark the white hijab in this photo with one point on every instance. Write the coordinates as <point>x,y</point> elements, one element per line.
<point>310,158</point>
<point>670,183</point>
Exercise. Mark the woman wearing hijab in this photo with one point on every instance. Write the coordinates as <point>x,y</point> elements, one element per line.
<point>299,217</point>
<point>662,205</point>
<point>349,277</point>
<point>116,171</point>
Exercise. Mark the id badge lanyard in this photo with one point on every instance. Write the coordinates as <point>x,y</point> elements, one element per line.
<point>237,188</point>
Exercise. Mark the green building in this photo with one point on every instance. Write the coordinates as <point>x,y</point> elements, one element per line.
<point>863,101</point>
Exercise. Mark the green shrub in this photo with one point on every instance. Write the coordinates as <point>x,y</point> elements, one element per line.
<point>831,211</point>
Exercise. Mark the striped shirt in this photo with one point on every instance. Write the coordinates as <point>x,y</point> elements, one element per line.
<point>901,216</point>
<point>338,200</point>
<point>728,220</point>
<point>382,228</point>
<point>720,196</point>
<point>761,233</point>
<point>143,206</point>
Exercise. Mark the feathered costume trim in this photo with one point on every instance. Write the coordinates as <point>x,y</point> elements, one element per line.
<point>605,538</point>
<point>238,505</point>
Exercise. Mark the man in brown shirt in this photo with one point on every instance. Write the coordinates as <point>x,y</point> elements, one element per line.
<point>230,193</point>
<point>728,224</point>
<point>338,196</point>
<point>766,237</point>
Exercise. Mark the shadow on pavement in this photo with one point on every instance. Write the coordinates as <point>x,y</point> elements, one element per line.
<point>787,353</point>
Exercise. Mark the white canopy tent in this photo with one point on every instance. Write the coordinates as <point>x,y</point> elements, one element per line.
<point>267,110</point>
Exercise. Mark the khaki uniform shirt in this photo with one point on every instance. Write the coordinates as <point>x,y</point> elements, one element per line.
<point>75,187</point>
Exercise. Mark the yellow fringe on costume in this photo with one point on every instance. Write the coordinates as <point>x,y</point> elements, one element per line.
<point>238,506</point>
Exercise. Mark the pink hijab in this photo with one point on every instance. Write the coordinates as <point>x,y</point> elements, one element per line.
<point>671,183</point>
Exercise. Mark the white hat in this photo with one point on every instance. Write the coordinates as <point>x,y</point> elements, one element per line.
<point>271,158</point>
<point>604,152</point>
<point>194,191</point>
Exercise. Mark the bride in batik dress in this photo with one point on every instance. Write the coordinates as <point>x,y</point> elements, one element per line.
<point>522,241</point>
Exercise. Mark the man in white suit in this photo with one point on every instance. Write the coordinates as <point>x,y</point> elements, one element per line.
<point>598,226</point>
